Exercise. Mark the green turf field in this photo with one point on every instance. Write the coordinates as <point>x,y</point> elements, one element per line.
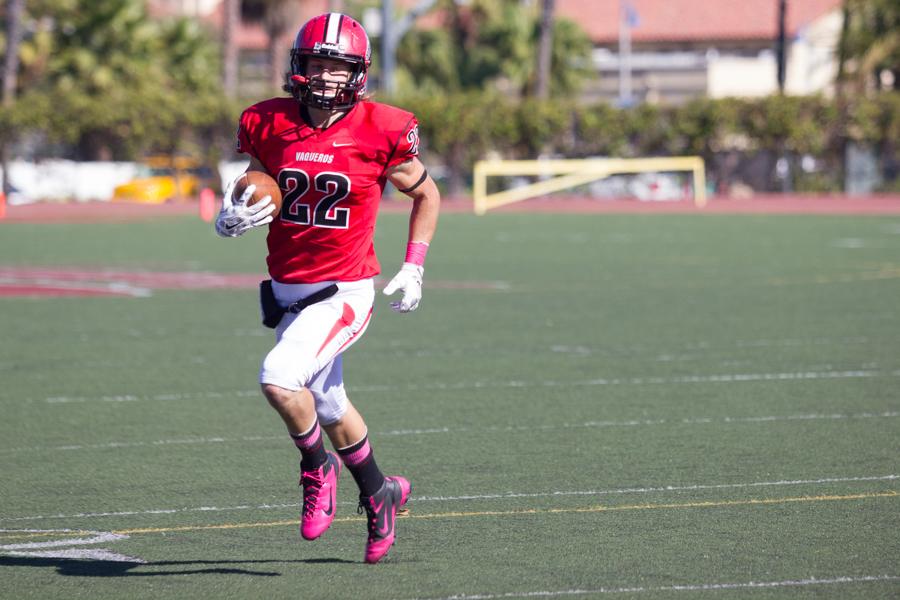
<point>588,406</point>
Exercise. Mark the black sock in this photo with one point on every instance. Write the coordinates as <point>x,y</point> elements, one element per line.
<point>312,448</point>
<point>361,462</point>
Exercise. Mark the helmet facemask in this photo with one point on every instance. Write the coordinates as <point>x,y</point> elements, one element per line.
<point>316,92</point>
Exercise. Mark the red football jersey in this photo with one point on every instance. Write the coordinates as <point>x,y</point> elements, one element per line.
<point>331,181</point>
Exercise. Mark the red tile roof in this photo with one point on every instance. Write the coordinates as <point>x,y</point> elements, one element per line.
<point>693,20</point>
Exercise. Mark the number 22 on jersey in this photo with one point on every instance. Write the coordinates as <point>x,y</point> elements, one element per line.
<point>298,208</point>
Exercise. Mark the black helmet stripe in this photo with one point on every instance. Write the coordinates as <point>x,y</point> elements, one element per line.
<point>333,28</point>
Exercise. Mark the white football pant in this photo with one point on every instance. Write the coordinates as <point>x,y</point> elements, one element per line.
<point>309,344</point>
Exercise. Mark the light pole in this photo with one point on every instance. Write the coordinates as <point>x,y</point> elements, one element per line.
<point>545,50</point>
<point>780,46</point>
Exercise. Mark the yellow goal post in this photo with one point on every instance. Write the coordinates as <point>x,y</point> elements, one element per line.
<point>560,174</point>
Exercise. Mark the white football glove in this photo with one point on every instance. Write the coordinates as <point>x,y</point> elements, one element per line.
<point>236,218</point>
<point>408,279</point>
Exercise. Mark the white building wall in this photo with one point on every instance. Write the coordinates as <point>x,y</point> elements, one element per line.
<point>67,180</point>
<point>741,76</point>
<point>195,8</point>
<point>812,62</point>
<point>811,65</point>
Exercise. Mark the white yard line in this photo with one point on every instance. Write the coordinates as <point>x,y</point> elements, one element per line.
<point>61,549</point>
<point>667,488</point>
<point>697,587</point>
<point>471,497</point>
<point>474,385</point>
<point>456,430</point>
<point>100,554</point>
<point>112,287</point>
<point>152,397</point>
<point>97,537</point>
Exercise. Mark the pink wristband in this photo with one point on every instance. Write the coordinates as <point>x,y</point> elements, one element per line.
<point>415,252</point>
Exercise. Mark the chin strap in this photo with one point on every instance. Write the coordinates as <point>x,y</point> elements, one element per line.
<point>316,101</point>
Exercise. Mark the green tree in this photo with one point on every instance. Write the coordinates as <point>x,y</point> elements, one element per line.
<point>13,30</point>
<point>870,43</point>
<point>106,81</point>
<point>491,44</point>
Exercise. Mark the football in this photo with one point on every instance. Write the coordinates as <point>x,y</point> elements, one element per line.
<point>265,186</point>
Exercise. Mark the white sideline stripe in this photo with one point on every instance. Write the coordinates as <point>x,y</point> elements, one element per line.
<point>698,587</point>
<point>465,385</point>
<point>416,499</point>
<point>493,428</point>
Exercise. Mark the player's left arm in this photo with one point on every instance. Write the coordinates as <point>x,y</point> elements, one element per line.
<point>411,178</point>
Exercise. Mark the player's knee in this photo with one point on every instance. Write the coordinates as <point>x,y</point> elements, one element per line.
<point>277,395</point>
<point>280,397</point>
<point>282,368</point>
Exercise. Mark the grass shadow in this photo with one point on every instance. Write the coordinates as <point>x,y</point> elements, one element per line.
<point>75,567</point>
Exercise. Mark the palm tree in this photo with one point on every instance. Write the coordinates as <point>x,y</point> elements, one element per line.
<point>492,43</point>
<point>869,51</point>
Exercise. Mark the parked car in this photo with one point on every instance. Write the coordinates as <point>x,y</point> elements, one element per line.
<point>164,179</point>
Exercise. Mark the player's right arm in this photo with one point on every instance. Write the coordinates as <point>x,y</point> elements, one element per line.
<point>235,217</point>
<point>256,165</point>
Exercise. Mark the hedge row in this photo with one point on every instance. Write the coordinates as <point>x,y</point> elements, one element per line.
<point>458,130</point>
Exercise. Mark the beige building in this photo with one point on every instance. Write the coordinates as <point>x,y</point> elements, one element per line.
<point>681,49</point>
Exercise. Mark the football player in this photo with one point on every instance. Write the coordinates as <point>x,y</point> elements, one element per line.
<point>332,151</point>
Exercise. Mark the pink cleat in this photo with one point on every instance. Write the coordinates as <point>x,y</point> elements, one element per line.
<point>319,497</point>
<point>381,510</point>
